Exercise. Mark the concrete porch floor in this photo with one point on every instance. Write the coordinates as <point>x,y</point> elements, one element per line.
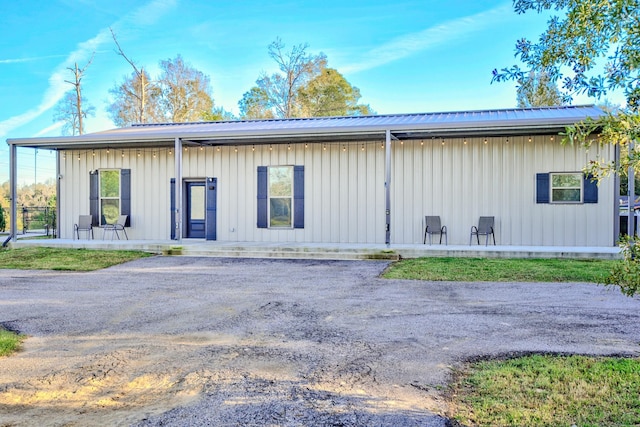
<point>332,251</point>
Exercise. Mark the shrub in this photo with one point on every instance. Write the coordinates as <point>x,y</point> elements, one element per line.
<point>626,273</point>
<point>3,223</point>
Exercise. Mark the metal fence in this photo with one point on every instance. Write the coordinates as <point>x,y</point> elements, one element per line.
<point>41,219</point>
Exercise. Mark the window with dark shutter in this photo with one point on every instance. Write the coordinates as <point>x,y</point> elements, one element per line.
<point>565,187</point>
<point>280,197</point>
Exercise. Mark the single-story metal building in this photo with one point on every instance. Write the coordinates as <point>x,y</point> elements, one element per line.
<point>368,179</point>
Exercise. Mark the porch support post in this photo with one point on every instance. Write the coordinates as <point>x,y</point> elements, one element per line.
<point>387,186</point>
<point>616,199</point>
<point>13,179</point>
<point>632,193</point>
<point>178,201</point>
<point>58,199</point>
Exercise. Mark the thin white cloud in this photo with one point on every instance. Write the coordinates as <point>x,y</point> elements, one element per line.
<point>428,38</point>
<point>49,129</point>
<point>145,15</point>
<point>32,59</point>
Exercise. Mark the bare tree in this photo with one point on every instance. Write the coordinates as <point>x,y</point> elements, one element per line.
<point>71,109</point>
<point>186,92</point>
<point>142,94</point>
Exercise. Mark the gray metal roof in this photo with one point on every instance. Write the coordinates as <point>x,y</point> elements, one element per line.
<point>319,129</point>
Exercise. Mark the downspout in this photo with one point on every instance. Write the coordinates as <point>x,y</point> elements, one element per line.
<point>178,188</point>
<point>387,186</point>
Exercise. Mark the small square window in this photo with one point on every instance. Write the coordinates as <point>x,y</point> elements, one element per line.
<point>566,187</point>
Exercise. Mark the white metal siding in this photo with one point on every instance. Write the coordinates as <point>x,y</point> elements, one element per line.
<point>461,182</point>
<point>345,190</point>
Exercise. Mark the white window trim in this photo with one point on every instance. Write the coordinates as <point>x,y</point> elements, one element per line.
<point>564,202</point>
<point>269,197</point>
<point>101,198</point>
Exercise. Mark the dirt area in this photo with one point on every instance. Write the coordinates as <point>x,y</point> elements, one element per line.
<point>204,341</point>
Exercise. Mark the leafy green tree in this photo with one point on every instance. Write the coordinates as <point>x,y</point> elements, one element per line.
<point>277,94</point>
<point>572,50</point>
<point>626,273</point>
<point>255,105</point>
<point>186,92</point>
<point>330,94</point>
<point>3,223</point>
<point>218,114</point>
<point>304,87</point>
<point>537,90</point>
<point>572,47</point>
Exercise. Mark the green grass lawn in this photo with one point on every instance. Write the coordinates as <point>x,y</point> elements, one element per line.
<point>549,391</point>
<point>9,342</point>
<point>41,258</point>
<point>501,270</point>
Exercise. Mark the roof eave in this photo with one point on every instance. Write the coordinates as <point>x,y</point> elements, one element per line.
<point>126,138</point>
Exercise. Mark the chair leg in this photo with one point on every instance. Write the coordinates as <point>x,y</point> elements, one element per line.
<point>424,241</point>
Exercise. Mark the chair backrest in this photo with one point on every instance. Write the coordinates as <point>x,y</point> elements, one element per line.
<point>432,223</point>
<point>84,222</point>
<point>485,225</point>
<point>122,220</point>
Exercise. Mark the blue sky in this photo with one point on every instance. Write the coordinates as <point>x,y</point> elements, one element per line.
<point>405,56</point>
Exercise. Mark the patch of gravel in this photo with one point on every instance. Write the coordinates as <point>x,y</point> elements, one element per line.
<point>173,341</point>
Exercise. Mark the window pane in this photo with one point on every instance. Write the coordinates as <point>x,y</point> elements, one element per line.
<point>110,183</point>
<point>110,211</point>
<point>566,180</point>
<point>281,181</point>
<point>569,195</point>
<point>280,212</point>
<point>196,205</point>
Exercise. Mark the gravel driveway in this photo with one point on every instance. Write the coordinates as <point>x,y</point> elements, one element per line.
<point>229,342</point>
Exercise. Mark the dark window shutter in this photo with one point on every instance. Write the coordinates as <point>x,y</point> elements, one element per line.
<point>298,197</point>
<point>212,206</point>
<point>94,198</point>
<point>125,195</point>
<point>590,190</point>
<point>262,196</point>
<point>542,188</point>
<point>173,208</point>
